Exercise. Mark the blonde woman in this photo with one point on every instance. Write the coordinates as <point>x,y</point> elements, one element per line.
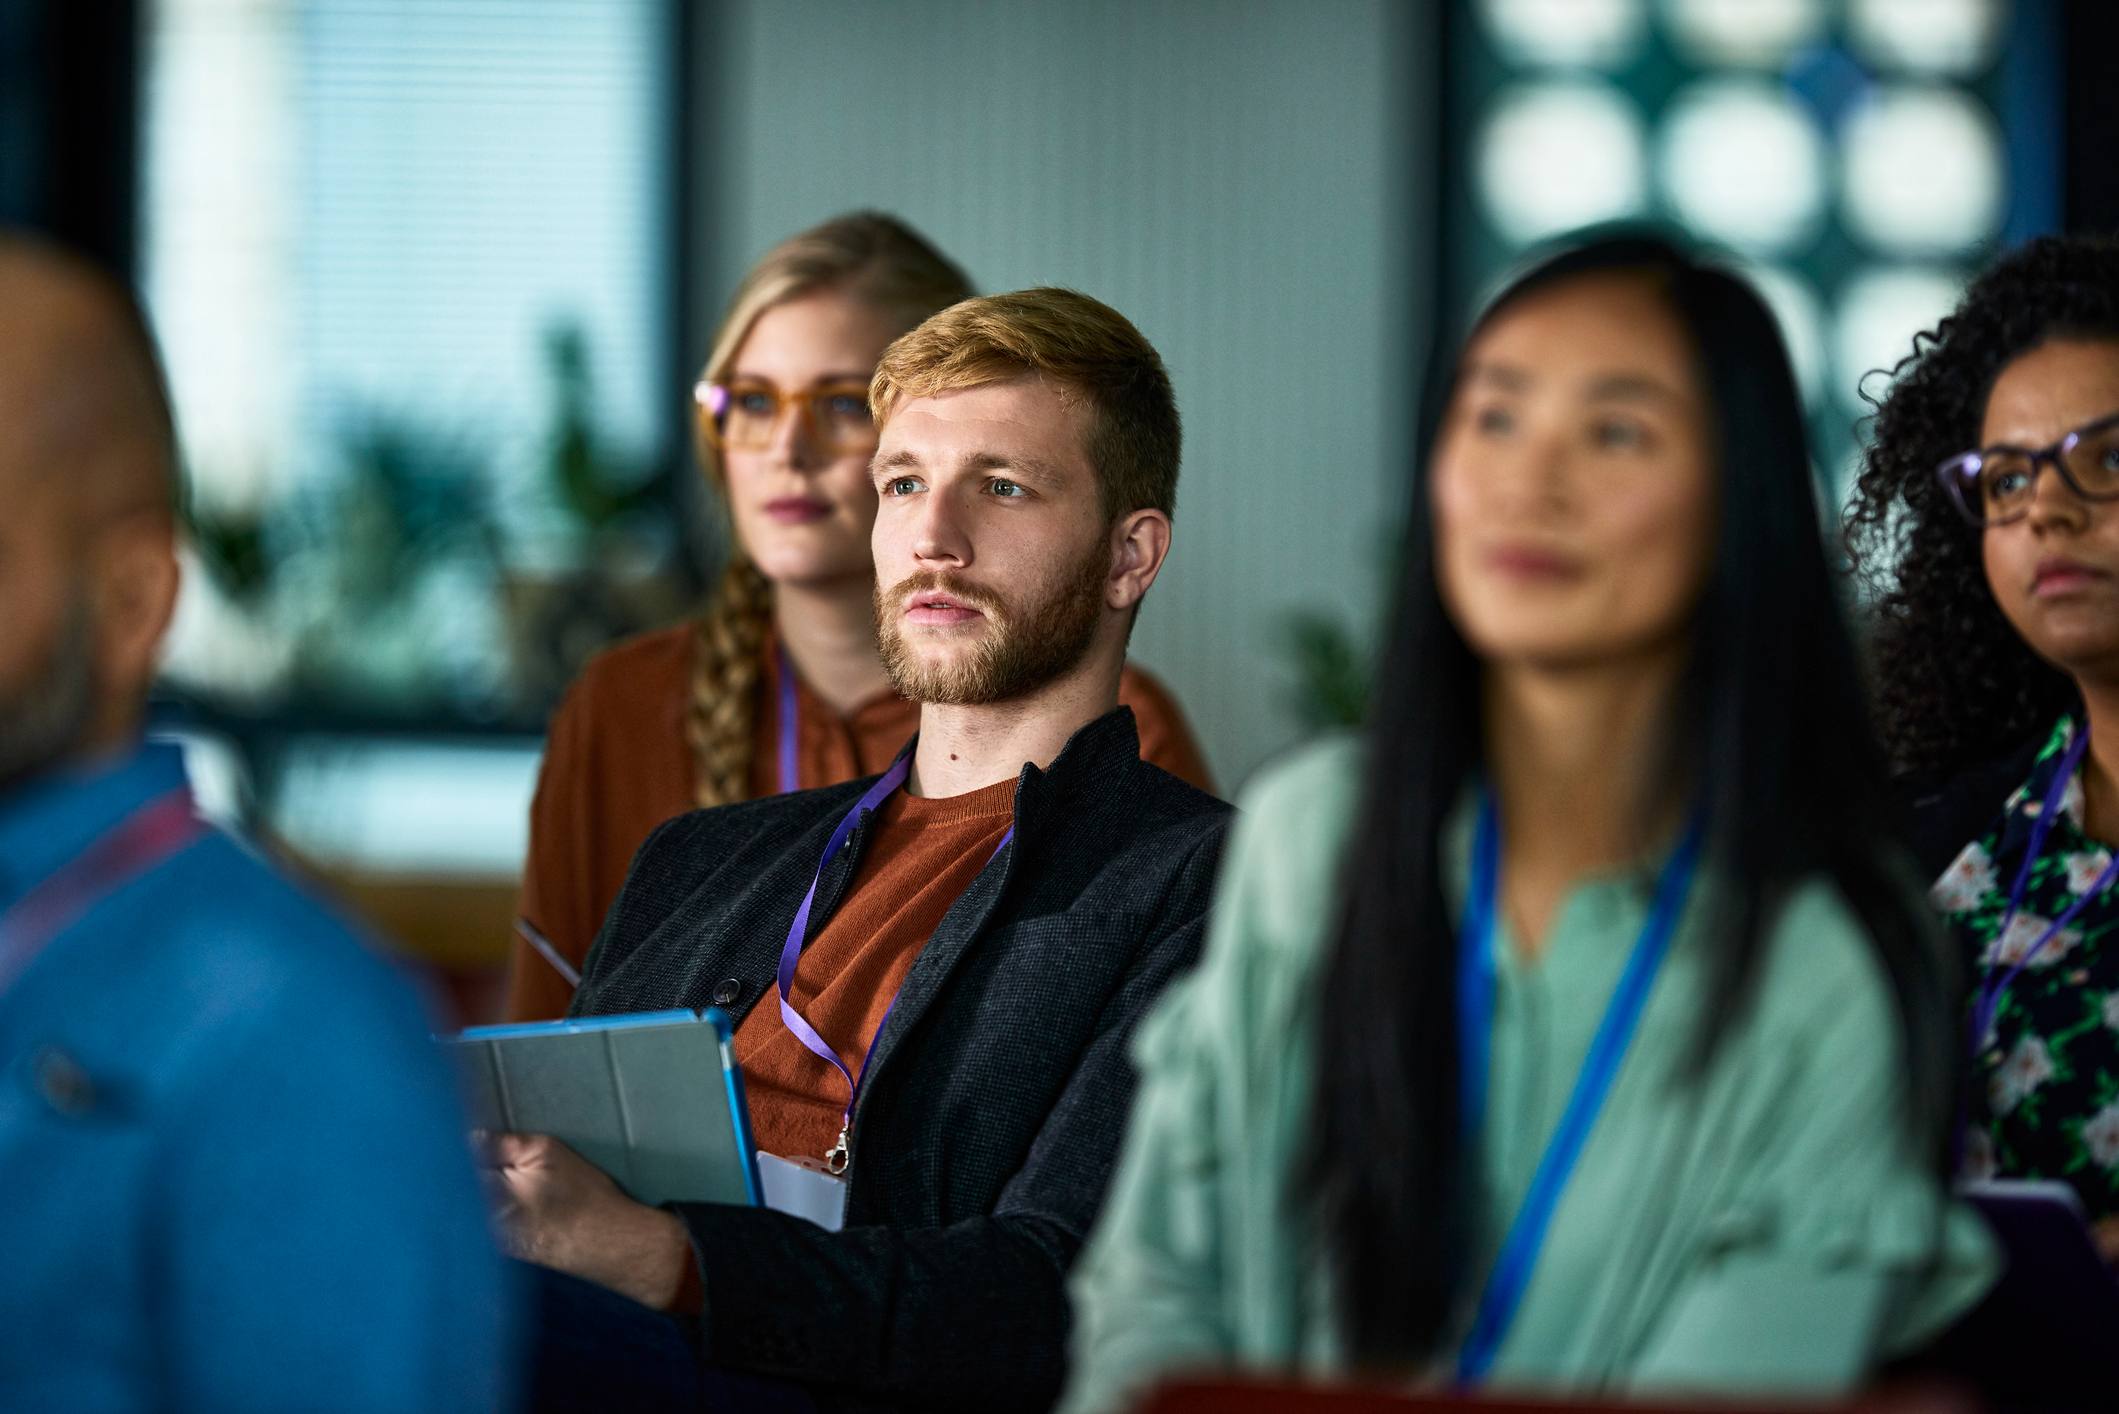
<point>777,686</point>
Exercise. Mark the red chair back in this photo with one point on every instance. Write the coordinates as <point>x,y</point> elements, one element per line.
<point>1268,1397</point>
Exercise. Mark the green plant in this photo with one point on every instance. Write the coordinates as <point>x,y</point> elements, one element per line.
<point>411,496</point>
<point>234,548</point>
<point>1332,673</point>
<point>596,485</point>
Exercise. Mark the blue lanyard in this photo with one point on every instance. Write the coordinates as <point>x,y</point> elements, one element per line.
<point>1994,987</point>
<point>1505,1284</point>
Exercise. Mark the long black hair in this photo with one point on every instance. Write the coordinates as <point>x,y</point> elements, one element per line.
<point>1955,684</point>
<point>1770,717</point>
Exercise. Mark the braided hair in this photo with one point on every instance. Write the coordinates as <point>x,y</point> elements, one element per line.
<point>884,262</point>
<point>1955,684</point>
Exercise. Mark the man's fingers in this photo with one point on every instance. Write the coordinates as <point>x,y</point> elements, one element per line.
<point>514,1223</point>
<point>500,1149</point>
<point>499,1193</point>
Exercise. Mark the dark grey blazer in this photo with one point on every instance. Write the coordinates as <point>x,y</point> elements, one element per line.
<point>997,1094</point>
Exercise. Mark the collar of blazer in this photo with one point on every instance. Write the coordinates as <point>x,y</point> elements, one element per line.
<point>1093,757</point>
<point>744,867</point>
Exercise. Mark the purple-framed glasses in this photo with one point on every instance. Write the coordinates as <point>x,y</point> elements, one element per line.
<point>1995,485</point>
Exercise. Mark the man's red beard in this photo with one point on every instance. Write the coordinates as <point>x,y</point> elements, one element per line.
<point>1022,649</point>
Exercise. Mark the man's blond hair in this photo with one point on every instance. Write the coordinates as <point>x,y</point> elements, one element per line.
<point>1087,348</point>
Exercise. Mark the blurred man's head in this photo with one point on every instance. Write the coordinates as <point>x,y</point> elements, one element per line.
<point>1027,468</point>
<point>87,510</point>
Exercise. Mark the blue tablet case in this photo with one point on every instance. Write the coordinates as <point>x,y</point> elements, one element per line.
<point>654,1099</point>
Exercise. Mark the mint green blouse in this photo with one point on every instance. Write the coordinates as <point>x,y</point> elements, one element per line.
<point>1761,1226</point>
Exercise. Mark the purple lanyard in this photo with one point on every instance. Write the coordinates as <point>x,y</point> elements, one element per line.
<point>790,727</point>
<point>1993,988</point>
<point>136,844</point>
<point>841,1153</point>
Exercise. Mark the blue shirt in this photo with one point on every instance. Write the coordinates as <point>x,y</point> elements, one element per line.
<point>233,1171</point>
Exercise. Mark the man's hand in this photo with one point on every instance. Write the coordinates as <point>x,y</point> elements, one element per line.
<point>559,1210</point>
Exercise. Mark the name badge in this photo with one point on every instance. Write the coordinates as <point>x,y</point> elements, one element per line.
<point>803,1188</point>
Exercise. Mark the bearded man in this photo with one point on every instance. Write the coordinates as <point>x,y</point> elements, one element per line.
<point>950,957</point>
<point>235,1166</point>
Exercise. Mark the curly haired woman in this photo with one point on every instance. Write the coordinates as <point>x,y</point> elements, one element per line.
<point>1988,516</point>
<point>778,685</point>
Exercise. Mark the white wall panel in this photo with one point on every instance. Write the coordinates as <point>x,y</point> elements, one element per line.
<point>1229,175</point>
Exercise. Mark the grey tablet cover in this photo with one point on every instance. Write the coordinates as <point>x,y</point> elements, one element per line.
<point>654,1100</point>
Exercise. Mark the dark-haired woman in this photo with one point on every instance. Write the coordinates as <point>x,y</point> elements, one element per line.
<point>1989,511</point>
<point>1572,1034</point>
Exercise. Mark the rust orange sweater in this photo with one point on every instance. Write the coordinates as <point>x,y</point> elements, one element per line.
<point>921,857</point>
<point>616,765</point>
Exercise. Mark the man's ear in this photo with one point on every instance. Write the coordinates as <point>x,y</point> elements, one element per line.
<point>1140,542</point>
<point>133,592</point>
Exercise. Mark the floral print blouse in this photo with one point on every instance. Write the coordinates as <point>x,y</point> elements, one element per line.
<point>2046,1093</point>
